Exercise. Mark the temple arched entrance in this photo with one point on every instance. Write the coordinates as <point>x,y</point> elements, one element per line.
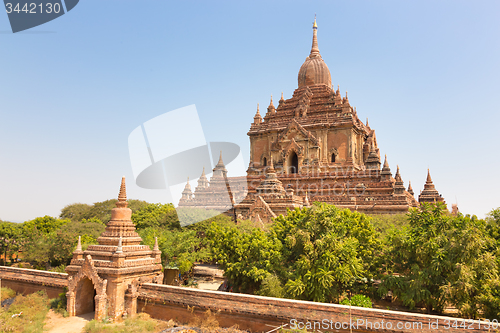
<point>84,296</point>
<point>293,163</point>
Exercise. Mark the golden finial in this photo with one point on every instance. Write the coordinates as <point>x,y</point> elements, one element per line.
<point>314,24</point>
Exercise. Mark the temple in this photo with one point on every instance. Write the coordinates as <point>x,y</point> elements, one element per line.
<point>310,147</point>
<point>105,277</point>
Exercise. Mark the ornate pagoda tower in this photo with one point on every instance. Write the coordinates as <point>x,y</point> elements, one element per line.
<point>105,277</point>
<point>321,148</point>
<point>314,147</point>
<point>429,193</point>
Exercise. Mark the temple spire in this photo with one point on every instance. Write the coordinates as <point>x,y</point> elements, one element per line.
<point>122,196</point>
<point>429,180</point>
<point>155,248</point>
<point>257,119</point>
<point>282,99</point>
<point>386,171</point>
<point>314,48</point>
<point>271,166</point>
<point>79,245</point>
<point>220,159</point>
<point>410,189</point>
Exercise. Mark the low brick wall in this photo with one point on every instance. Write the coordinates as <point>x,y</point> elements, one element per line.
<point>261,314</point>
<point>27,281</point>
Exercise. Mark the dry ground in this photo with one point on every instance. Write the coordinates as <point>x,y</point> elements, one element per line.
<point>56,323</point>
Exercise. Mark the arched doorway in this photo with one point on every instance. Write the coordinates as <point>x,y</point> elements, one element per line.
<point>85,297</point>
<point>333,157</point>
<point>293,163</point>
<point>264,162</point>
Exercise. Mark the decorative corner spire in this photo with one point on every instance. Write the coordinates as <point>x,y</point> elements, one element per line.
<point>367,122</point>
<point>203,172</point>
<point>386,164</point>
<point>282,99</point>
<point>271,103</point>
<point>398,175</point>
<point>79,245</point>
<point>314,48</point>
<point>119,247</point>
<point>429,179</point>
<point>155,248</point>
<point>220,159</point>
<point>271,166</point>
<point>258,110</point>
<point>122,196</point>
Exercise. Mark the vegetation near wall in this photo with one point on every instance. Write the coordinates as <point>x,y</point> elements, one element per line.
<point>427,259</point>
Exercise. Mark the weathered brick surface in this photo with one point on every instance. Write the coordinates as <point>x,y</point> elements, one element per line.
<point>26,281</point>
<point>256,313</point>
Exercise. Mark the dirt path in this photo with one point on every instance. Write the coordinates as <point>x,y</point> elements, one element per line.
<point>55,323</point>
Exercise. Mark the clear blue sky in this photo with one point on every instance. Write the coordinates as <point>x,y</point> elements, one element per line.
<point>425,73</point>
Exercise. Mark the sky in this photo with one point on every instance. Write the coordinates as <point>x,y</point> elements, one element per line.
<point>425,73</point>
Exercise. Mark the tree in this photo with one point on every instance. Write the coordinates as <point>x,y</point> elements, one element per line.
<point>100,210</point>
<point>75,212</point>
<point>182,247</point>
<point>155,215</point>
<point>66,239</point>
<point>247,258</point>
<point>327,251</point>
<point>44,225</point>
<point>317,253</point>
<point>10,234</point>
<point>39,235</point>
<point>442,259</point>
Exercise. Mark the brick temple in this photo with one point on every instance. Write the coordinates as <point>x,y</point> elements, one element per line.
<point>104,278</point>
<point>310,147</point>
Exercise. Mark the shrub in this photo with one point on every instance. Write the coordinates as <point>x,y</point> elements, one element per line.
<point>358,300</point>
<point>271,286</point>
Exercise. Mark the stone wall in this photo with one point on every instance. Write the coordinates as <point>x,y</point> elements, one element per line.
<point>26,281</point>
<point>261,314</point>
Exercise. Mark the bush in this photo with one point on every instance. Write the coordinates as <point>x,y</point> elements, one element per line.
<point>59,304</point>
<point>7,293</point>
<point>271,286</point>
<point>358,300</point>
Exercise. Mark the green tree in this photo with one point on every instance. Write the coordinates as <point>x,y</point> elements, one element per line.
<point>44,225</point>
<point>99,210</point>
<point>247,258</point>
<point>327,251</point>
<point>440,259</point>
<point>10,238</point>
<point>317,253</point>
<point>66,239</point>
<point>75,212</point>
<point>156,215</point>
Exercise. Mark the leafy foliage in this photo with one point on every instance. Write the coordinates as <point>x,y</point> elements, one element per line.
<point>99,210</point>
<point>442,259</point>
<point>317,253</point>
<point>10,241</point>
<point>156,216</point>
<point>181,247</point>
<point>358,300</point>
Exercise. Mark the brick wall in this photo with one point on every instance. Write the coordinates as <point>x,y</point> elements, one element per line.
<point>261,314</point>
<point>26,281</point>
